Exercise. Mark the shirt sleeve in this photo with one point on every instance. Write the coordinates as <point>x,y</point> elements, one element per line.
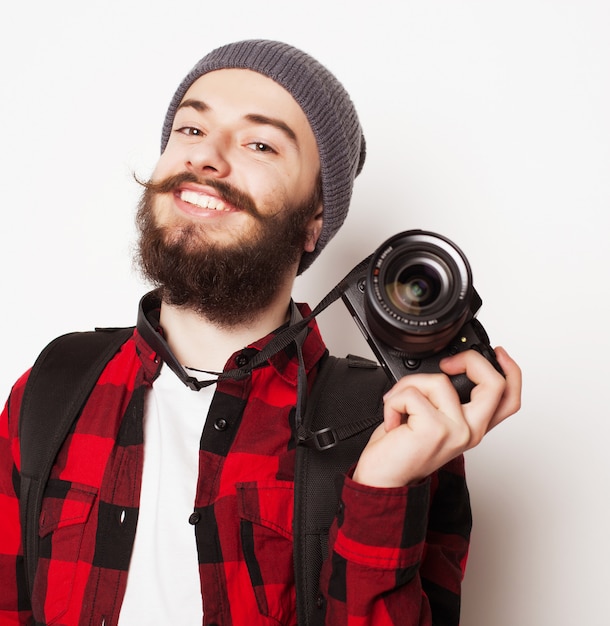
<point>397,556</point>
<point>14,600</point>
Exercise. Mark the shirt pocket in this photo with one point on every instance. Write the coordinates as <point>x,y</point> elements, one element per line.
<point>66,507</point>
<point>266,514</point>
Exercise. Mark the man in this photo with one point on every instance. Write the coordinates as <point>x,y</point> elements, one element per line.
<point>169,505</point>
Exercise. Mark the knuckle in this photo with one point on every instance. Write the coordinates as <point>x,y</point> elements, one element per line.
<point>462,437</point>
<point>411,392</point>
<point>444,382</point>
<point>515,405</point>
<point>451,435</point>
<point>497,380</point>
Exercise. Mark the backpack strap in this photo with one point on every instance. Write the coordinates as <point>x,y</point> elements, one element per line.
<point>59,383</point>
<point>331,441</point>
<point>344,408</point>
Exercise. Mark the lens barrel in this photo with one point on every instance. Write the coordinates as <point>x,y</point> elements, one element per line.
<point>418,292</point>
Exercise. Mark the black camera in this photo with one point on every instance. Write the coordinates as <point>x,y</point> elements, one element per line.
<point>415,303</point>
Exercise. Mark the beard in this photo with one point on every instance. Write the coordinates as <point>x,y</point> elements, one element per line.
<point>228,284</point>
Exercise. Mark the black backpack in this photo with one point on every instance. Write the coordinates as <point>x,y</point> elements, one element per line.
<point>344,407</point>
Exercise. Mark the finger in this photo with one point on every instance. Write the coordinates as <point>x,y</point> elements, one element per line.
<point>420,393</point>
<point>398,405</point>
<point>494,397</point>
<point>477,369</point>
<point>489,387</point>
<point>511,398</point>
<point>432,435</point>
<point>428,384</point>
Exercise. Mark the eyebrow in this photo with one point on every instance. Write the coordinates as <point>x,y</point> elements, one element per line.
<point>255,118</point>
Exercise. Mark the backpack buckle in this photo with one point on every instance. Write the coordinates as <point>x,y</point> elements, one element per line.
<point>324,439</point>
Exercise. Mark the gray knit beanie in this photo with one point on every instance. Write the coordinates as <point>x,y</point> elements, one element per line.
<point>324,101</point>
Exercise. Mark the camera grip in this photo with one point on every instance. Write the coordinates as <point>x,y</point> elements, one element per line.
<point>463,385</point>
<point>472,336</point>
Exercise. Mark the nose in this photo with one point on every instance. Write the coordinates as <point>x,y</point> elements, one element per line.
<point>209,156</point>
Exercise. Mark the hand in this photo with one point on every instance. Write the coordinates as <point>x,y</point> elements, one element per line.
<point>425,426</point>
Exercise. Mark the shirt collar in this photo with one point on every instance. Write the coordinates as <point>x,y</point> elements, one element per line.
<point>285,362</point>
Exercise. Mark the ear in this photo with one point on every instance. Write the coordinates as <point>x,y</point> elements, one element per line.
<point>314,228</point>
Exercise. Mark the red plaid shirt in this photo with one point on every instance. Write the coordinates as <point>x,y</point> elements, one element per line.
<point>396,555</point>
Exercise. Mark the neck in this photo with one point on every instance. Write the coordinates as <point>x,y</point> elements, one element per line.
<point>200,344</point>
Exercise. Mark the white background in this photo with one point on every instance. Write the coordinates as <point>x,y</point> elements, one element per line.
<point>488,122</point>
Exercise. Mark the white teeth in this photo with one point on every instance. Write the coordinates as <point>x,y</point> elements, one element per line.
<point>202,201</point>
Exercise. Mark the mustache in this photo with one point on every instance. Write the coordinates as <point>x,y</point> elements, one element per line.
<point>227,192</point>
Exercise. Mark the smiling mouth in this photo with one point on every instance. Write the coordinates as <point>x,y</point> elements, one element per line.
<point>203,201</point>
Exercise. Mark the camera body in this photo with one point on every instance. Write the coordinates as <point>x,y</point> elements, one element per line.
<point>414,302</point>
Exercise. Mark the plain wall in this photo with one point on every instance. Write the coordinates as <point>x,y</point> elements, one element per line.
<point>485,121</point>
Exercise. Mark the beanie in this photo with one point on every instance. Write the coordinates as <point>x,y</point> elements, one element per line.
<point>326,104</point>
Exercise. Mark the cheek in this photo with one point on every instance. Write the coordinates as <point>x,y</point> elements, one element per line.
<point>299,185</point>
<point>169,163</point>
<point>162,168</point>
<point>268,194</point>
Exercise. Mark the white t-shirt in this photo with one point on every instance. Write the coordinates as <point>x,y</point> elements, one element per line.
<point>163,584</point>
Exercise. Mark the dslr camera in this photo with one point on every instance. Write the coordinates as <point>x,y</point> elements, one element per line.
<point>414,301</point>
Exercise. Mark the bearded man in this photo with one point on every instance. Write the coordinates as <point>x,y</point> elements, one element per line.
<point>171,499</point>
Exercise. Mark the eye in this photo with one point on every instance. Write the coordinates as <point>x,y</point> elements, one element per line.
<point>190,131</point>
<point>259,146</point>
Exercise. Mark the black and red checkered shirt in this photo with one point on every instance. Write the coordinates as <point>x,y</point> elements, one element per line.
<point>397,556</point>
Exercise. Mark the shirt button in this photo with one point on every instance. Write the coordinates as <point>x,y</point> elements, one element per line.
<point>241,360</point>
<point>221,424</point>
<point>194,518</point>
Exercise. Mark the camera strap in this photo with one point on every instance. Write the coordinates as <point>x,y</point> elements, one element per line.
<point>279,342</point>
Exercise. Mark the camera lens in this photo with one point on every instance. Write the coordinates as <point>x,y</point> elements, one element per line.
<point>418,292</point>
<point>414,287</point>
